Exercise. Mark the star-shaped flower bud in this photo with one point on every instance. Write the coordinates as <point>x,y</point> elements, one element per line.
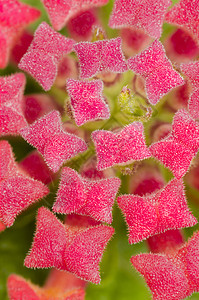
<point>42,58</point>
<point>14,17</point>
<point>20,289</point>
<point>93,198</point>
<point>61,11</point>
<point>76,250</point>
<point>11,95</point>
<point>178,149</point>
<point>152,214</point>
<point>185,14</point>
<point>153,65</point>
<point>120,148</point>
<point>100,56</point>
<point>145,14</point>
<point>52,142</point>
<point>87,101</point>
<point>173,276</point>
<point>18,191</point>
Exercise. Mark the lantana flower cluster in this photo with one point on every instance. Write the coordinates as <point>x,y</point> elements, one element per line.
<point>99,148</point>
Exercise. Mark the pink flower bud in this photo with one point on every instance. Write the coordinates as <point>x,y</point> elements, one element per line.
<point>103,55</point>
<point>52,142</point>
<point>87,100</point>
<point>155,213</point>
<point>171,276</point>
<point>146,15</point>
<point>18,191</point>
<point>42,58</point>
<point>178,149</point>
<point>120,148</point>
<point>154,66</point>
<point>86,197</point>
<point>68,248</point>
<point>11,95</point>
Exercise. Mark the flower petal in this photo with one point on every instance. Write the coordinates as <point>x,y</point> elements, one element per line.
<point>155,67</point>
<point>103,55</point>
<point>42,58</point>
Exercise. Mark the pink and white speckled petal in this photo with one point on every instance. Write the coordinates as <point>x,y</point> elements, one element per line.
<point>8,166</point>
<point>71,195</point>
<point>146,15</point>
<point>120,148</point>
<point>186,130</point>
<point>140,216</point>
<point>49,242</point>
<point>61,148</point>
<point>17,190</point>
<point>165,279</point>
<point>190,257</point>
<point>173,211</point>
<point>157,70</point>
<point>177,151</point>
<point>42,58</point>
<point>18,193</point>
<point>52,142</point>
<point>173,275</point>
<point>173,155</point>
<point>100,196</point>
<point>86,197</point>
<point>191,70</point>
<point>160,211</point>
<point>39,132</point>
<point>11,95</point>
<point>85,253</point>
<point>100,56</point>
<point>87,100</point>
<point>193,104</point>
<point>76,250</point>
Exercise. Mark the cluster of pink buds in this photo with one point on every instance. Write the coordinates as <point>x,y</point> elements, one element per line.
<point>99,127</point>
